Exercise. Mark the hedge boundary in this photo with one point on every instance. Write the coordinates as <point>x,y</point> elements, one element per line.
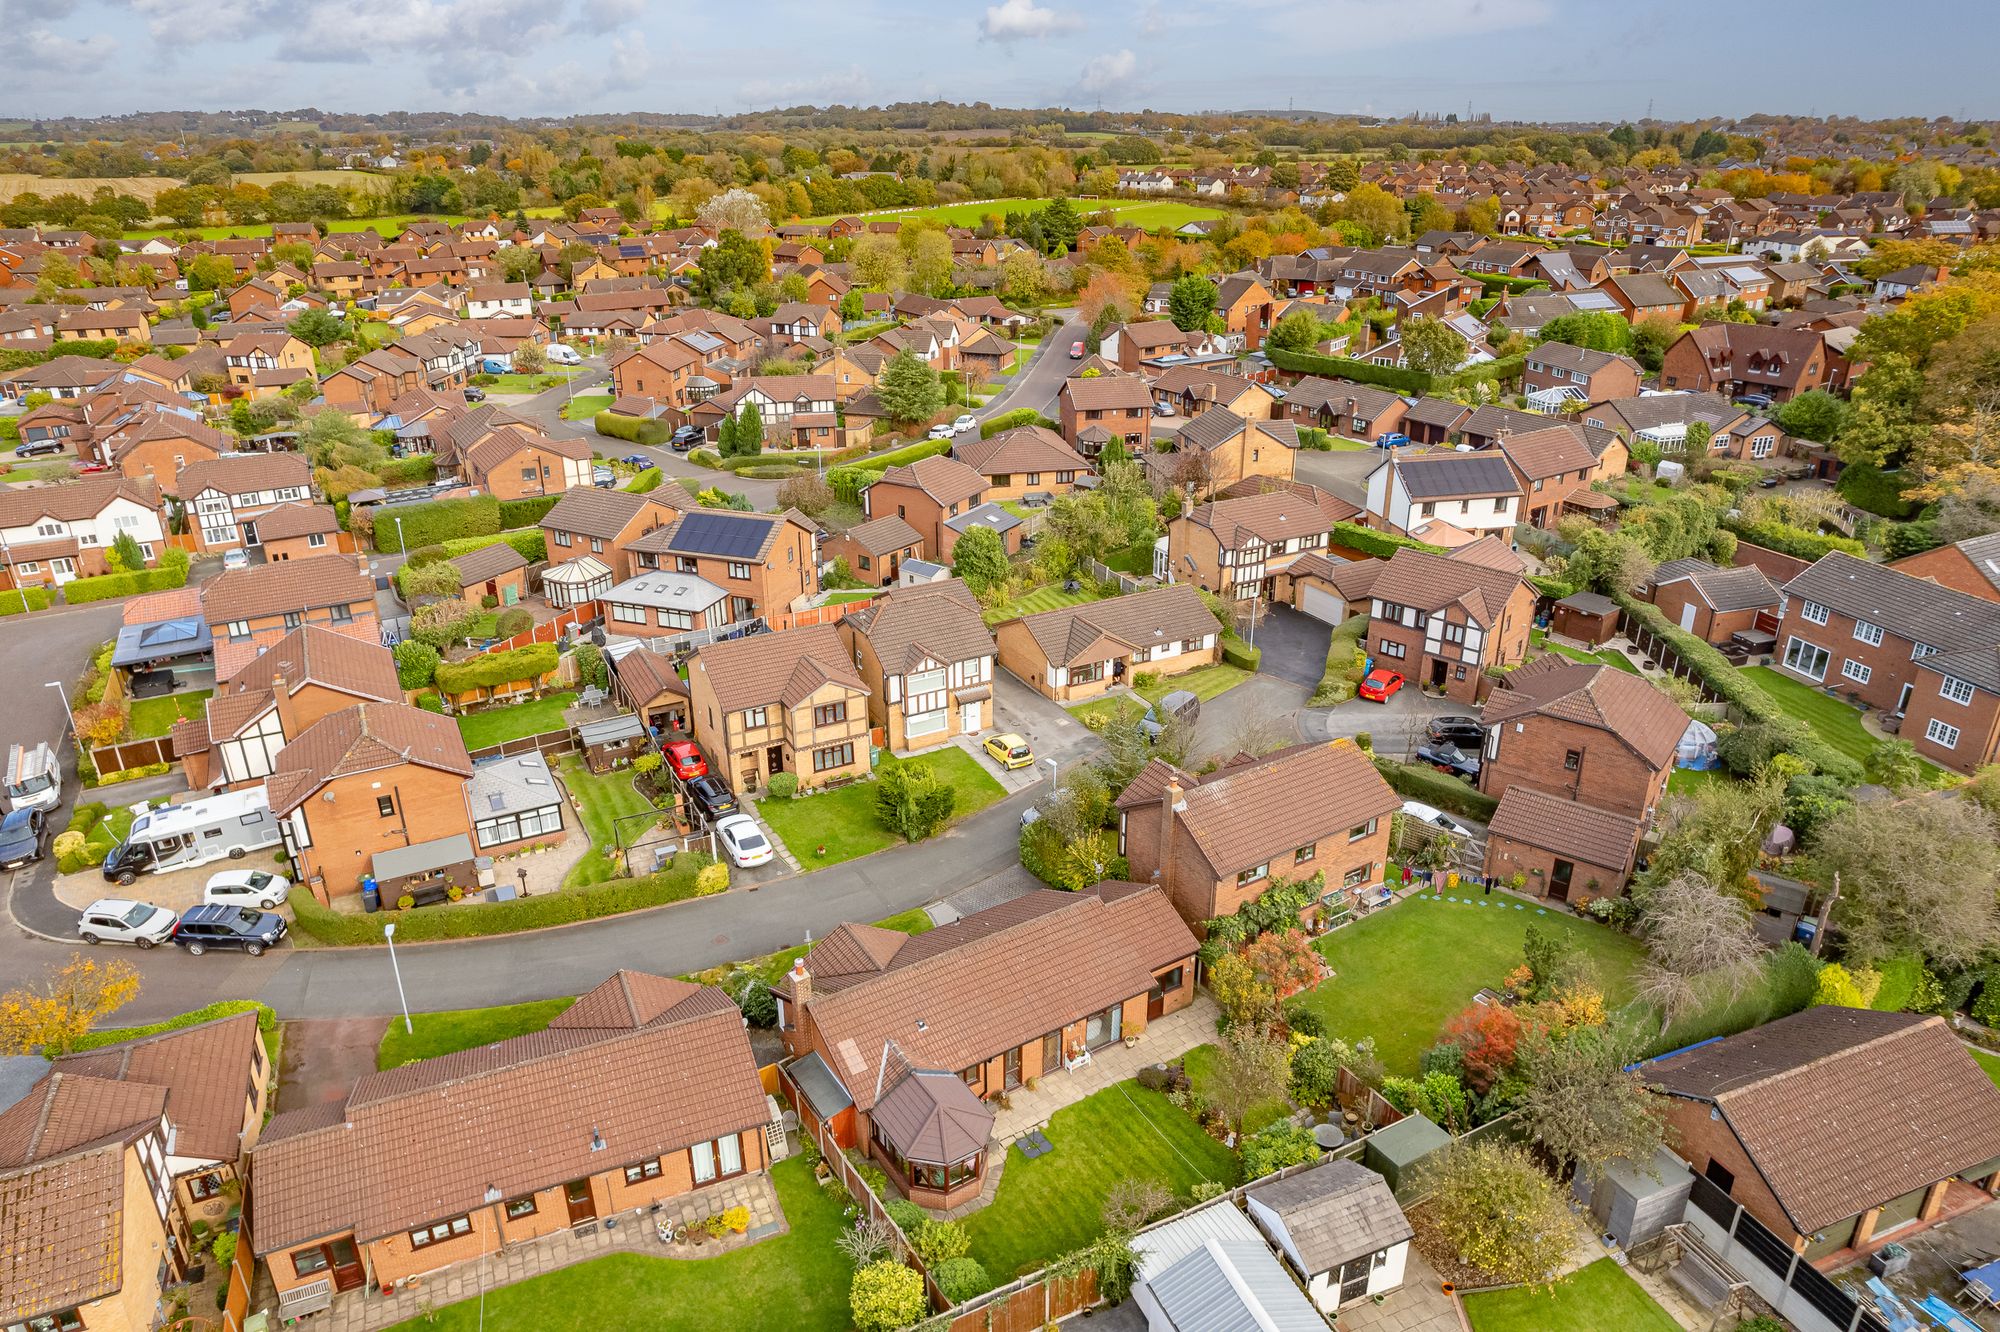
<point>1347,367</point>
<point>435,522</point>
<point>530,541</point>
<point>497,668</point>
<point>1344,657</point>
<point>82,591</point>
<point>632,429</point>
<point>1432,787</point>
<point>1379,544</point>
<point>525,512</point>
<point>267,1022</point>
<point>478,919</point>
<point>38,599</point>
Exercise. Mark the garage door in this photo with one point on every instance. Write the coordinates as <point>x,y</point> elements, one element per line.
<point>1322,604</point>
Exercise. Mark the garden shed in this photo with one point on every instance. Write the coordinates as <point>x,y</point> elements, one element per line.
<point>612,742</point>
<point>1633,1203</point>
<point>1586,617</point>
<point>1395,1152</point>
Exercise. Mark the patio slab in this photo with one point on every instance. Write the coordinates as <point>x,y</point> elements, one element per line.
<point>1165,1040</point>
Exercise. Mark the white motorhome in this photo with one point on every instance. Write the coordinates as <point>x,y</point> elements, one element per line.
<point>34,777</point>
<point>178,836</point>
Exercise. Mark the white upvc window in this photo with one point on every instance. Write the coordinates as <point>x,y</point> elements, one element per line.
<point>1807,659</point>
<point>1813,612</point>
<point>1958,691</point>
<point>1941,734</point>
<point>1870,634</point>
<point>1856,671</point>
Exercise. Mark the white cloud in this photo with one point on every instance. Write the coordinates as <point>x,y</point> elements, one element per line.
<point>1024,20</point>
<point>851,86</point>
<point>43,52</point>
<point>1102,74</point>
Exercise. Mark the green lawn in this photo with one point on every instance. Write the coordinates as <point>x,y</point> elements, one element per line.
<point>516,720</point>
<point>156,716</point>
<point>604,799</point>
<point>1047,598</point>
<point>1401,973</point>
<point>1199,1064</point>
<point>1686,781</point>
<point>1991,1063</point>
<point>1836,722</point>
<point>463,1029</point>
<point>844,821</point>
<point>1599,1296</point>
<point>1135,559</point>
<point>518,383</point>
<point>797,1280</point>
<point>1609,656</point>
<point>586,405</point>
<point>1053,1204</point>
<point>840,598</point>
<point>1204,682</point>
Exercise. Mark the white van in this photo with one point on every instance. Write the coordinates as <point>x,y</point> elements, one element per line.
<point>558,354</point>
<point>34,777</point>
<point>178,836</point>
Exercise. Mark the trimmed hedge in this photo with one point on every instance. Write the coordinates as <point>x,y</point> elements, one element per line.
<point>1379,544</point>
<point>1347,367</point>
<point>267,1021</point>
<point>420,469</point>
<point>1500,284</point>
<point>1432,787</point>
<point>633,429</point>
<point>1014,420</point>
<point>497,668</point>
<point>80,591</point>
<point>1735,688</point>
<point>650,479</point>
<point>1789,540</point>
<point>1241,655</point>
<point>38,599</point>
<point>909,453</point>
<point>1492,372</point>
<point>471,920</point>
<point>435,522</point>
<point>847,483</point>
<point>525,512</point>
<point>534,547</point>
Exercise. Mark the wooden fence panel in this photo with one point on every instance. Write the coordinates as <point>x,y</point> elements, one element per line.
<point>132,754</point>
<point>242,1272</point>
<point>549,744</point>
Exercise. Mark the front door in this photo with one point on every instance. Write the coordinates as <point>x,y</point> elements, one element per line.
<point>1438,668</point>
<point>774,759</point>
<point>582,1204</point>
<point>1156,1002</point>
<point>1013,1068</point>
<point>1903,699</point>
<point>249,534</point>
<point>1559,881</point>
<point>343,1262</point>
<point>968,718</point>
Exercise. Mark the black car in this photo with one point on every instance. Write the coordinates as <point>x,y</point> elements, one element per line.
<point>685,438</point>
<point>24,837</point>
<point>204,927</point>
<point>34,448</point>
<point>1450,759</point>
<point>474,393</point>
<point>1465,732</point>
<point>711,797</point>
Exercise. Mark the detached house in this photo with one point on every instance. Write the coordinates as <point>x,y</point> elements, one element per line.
<point>1442,621</point>
<point>896,1043</point>
<point>1029,460</point>
<point>1735,360</point>
<point>52,534</point>
<point>926,657</point>
<point>1550,466</point>
<point>785,702</point>
<point>1581,732</point>
<point>1219,448</point>
<point>226,497</point>
<point>1080,652</point>
<point>602,524</point>
<point>1245,541</point>
<point>514,463</point>
<point>1356,411</point>
<point>763,562</point>
<point>247,610</point>
<point>927,494</point>
<point>1580,374</point>
<point>1217,841</point>
<point>643,1091</point>
<point>1097,410</point>
<point>1476,493</point>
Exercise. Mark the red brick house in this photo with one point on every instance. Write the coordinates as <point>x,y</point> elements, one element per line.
<point>1551,464</point>
<point>1217,841</point>
<point>1971,566</point>
<point>1711,602</point>
<point>1595,375</point>
<point>1443,621</point>
<point>1739,359</point>
<point>925,494</point>
<point>1108,407</point>
<point>1571,729</point>
<point>1563,850</point>
<point>875,550</point>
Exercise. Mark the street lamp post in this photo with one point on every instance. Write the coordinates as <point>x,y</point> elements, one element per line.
<point>399,533</point>
<point>69,718</point>
<point>389,933</point>
<point>1054,768</point>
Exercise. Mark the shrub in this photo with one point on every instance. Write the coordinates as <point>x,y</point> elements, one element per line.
<point>590,666</point>
<point>940,1242</point>
<point>497,668</point>
<point>912,802</point>
<point>37,599</point>
<point>713,879</point>
<point>267,1022</point>
<point>909,1217</point>
<point>1435,788</point>
<point>1866,486</point>
<point>1379,544</point>
<point>513,620</point>
<point>650,479</point>
<point>1790,540</point>
<point>783,785</point>
<point>1285,1143</point>
<point>224,1248</point>
<point>526,512</point>
<point>79,591</point>
<point>633,429</point>
<point>1014,420</point>
<point>534,547</point>
<point>759,1005</point>
<point>434,522</point>
<point>887,1295</point>
<point>1241,655</point>
<point>1344,659</point>
<point>416,663</point>
<point>962,1278</point>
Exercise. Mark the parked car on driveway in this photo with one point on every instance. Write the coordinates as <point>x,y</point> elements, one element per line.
<point>684,759</point>
<point>711,798</point>
<point>1381,684</point>
<point>1449,758</point>
<point>1009,751</point>
<point>223,927</point>
<point>940,432</point>
<point>24,838</point>
<point>1182,705</point>
<point>603,477</point>
<point>1465,732</point>
<point>744,841</point>
<point>685,438</point>
<point>233,560</point>
<point>35,449</point>
<point>1436,817</point>
<point>474,393</point>
<point>1394,439</point>
<point>259,888</point>
<point>120,920</point>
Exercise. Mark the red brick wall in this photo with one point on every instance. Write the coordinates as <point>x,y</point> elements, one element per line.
<point>1534,755</point>
<point>1978,724</point>
<point>1889,662</point>
<point>1506,857</point>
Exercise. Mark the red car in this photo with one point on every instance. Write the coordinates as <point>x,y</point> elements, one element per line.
<point>1380,684</point>
<point>684,759</point>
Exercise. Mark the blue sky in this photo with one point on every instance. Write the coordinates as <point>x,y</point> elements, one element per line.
<point>1531,59</point>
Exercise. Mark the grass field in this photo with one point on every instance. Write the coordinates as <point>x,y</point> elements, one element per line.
<point>1401,973</point>
<point>1991,1063</point>
<point>1601,1295</point>
<point>530,384</point>
<point>1686,781</point>
<point>463,1029</point>
<point>1150,215</point>
<point>603,801</point>
<point>585,405</point>
<point>797,1280</point>
<point>516,721</point>
<point>1608,656</point>
<point>844,821</point>
<point>1053,1204</point>
<point>156,716</point>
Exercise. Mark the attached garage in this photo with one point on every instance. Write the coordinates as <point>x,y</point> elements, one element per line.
<point>1329,589</point>
<point>1322,603</point>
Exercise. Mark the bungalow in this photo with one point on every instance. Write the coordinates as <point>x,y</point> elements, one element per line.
<point>1079,652</point>
<point>926,658</point>
<point>895,1044</point>
<point>1571,729</point>
<point>1356,411</point>
<point>785,702</point>
<point>643,1091</point>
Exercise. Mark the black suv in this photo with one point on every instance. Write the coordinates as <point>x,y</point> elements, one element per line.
<point>1465,732</point>
<point>214,926</point>
<point>711,797</point>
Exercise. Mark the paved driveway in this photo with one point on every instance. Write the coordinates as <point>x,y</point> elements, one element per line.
<point>1396,727</point>
<point>1294,645</point>
<point>1345,474</point>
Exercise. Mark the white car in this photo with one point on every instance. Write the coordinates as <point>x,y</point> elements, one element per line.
<point>258,888</point>
<point>235,559</point>
<point>964,423</point>
<point>941,432</point>
<point>744,840</point>
<point>1437,818</point>
<point>117,920</point>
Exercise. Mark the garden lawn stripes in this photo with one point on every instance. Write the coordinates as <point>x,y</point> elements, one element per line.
<point>1051,1205</point>
<point>463,1029</point>
<point>1045,599</point>
<point>1401,972</point>
<point>1837,723</point>
<point>797,1280</point>
<point>604,799</point>
<point>516,721</point>
<point>844,821</point>
<point>154,717</point>
<point>1602,1295</point>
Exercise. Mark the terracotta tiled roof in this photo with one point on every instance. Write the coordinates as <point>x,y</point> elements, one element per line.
<point>1072,635</point>
<point>645,675</point>
<point>1272,516</point>
<point>73,502</point>
<point>1841,1109</point>
<point>289,585</point>
<point>1567,827</point>
<point>938,620</point>
<point>668,1065</point>
<point>591,512</point>
<point>67,1112</point>
<point>204,1070</point>
<point>777,668</point>
<point>879,536</point>
<point>1109,393</point>
<point>364,738</point>
<point>476,566</point>
<point>312,654</point>
<point>62,1237</point>
<point>1648,721</point>
<point>945,480</point>
<point>1738,587</point>
<point>1432,582</point>
<point>1554,451</point>
<point>1028,449</point>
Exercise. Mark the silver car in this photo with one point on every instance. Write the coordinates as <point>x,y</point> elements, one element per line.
<point>118,920</point>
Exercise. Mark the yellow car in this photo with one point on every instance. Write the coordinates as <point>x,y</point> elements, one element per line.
<point>1010,751</point>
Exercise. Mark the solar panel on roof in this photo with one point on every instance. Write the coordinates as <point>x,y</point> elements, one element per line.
<point>713,534</point>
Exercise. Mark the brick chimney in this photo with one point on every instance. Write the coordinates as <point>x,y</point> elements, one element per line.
<point>1172,800</point>
<point>801,982</point>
